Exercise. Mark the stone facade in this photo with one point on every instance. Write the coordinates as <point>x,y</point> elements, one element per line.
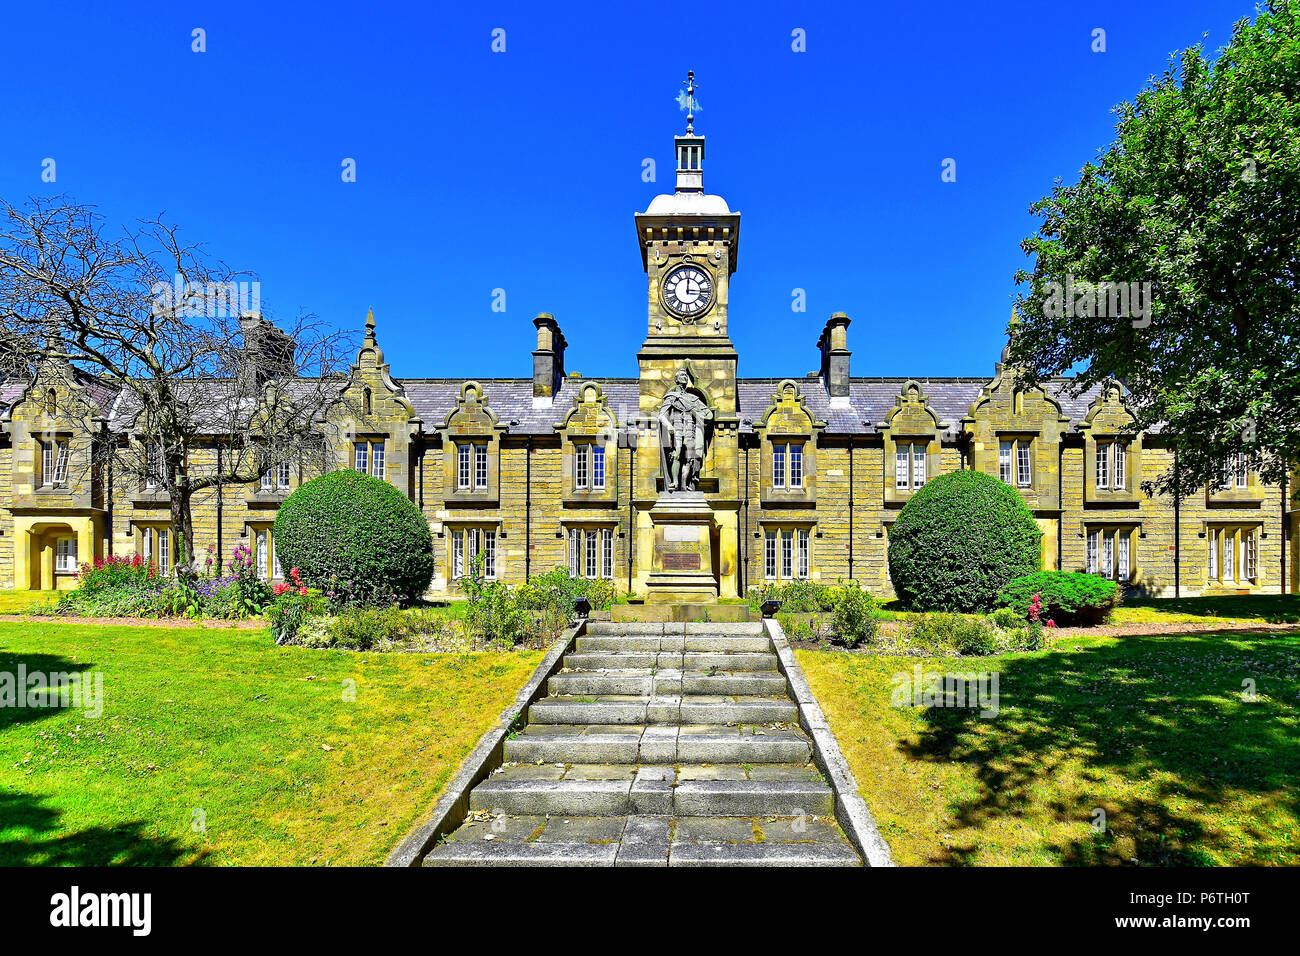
<point>802,477</point>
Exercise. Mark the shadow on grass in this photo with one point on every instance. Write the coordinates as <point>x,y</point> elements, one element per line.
<point>1273,608</point>
<point>1169,705</point>
<point>34,837</point>
<point>16,672</point>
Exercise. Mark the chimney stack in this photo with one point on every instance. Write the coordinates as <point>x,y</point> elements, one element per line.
<point>834,346</point>
<point>548,360</point>
<point>268,353</point>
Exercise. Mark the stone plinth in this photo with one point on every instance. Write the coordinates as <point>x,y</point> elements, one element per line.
<point>681,570</point>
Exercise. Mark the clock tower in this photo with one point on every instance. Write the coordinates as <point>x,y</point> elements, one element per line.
<point>689,243</point>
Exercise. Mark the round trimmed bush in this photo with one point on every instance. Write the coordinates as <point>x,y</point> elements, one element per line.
<point>1067,597</point>
<point>355,536</point>
<point>958,542</point>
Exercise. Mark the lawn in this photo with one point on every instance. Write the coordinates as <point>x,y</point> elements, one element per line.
<point>1153,730</point>
<point>216,747</point>
<point>1274,608</point>
<point>20,602</point>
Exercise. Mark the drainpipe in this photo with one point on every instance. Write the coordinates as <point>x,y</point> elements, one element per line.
<point>220,509</point>
<point>851,443</point>
<point>528,509</point>
<point>1282,589</point>
<point>631,516</point>
<point>745,563</point>
<point>1178,531</point>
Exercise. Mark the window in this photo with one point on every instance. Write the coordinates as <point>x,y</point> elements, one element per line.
<point>155,544</point>
<point>591,553</point>
<point>153,466</point>
<point>589,467</point>
<point>909,466</point>
<point>65,556</point>
<point>1234,555</point>
<point>786,554</point>
<point>1234,473</point>
<point>54,462</point>
<point>369,459</point>
<point>263,551</point>
<point>463,453</point>
<point>1014,462</point>
<point>1110,553</point>
<point>480,467</point>
<point>787,465</point>
<point>468,545</point>
<point>1111,466</point>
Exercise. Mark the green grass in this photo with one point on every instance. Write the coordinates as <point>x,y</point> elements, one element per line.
<point>1273,608</point>
<point>21,602</point>
<point>1153,730</point>
<point>255,741</point>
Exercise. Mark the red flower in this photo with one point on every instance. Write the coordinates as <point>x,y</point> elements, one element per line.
<point>280,589</point>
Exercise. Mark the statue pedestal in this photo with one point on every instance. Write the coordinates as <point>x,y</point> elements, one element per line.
<point>681,568</point>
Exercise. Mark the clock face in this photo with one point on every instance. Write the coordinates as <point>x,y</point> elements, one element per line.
<point>688,291</point>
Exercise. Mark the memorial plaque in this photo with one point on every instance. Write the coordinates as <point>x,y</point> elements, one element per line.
<point>681,562</point>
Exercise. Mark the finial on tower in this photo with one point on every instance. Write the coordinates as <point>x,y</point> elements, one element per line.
<point>686,100</point>
<point>370,327</point>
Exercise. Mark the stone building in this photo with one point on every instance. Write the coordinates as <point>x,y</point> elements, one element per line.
<point>799,477</point>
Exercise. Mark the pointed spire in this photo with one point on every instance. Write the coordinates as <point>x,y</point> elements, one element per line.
<point>370,328</point>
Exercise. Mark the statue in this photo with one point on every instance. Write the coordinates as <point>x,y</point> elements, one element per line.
<point>682,419</point>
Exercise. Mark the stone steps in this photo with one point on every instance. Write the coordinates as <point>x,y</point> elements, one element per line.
<point>656,745</point>
<point>645,840</point>
<point>667,709</point>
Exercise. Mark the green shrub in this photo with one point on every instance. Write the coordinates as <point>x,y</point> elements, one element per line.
<point>958,541</point>
<point>941,633</point>
<point>796,597</point>
<point>1068,597</point>
<point>853,620</point>
<point>1007,618</point>
<point>361,628</point>
<point>290,611</point>
<point>356,538</point>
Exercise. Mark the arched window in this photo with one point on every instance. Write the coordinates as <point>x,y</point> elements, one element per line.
<point>365,401</point>
<point>51,402</point>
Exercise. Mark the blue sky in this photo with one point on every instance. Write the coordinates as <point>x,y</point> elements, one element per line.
<point>522,170</point>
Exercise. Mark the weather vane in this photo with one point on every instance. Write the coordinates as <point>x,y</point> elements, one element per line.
<point>686,101</point>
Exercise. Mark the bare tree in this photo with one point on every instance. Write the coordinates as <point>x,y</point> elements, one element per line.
<point>205,391</point>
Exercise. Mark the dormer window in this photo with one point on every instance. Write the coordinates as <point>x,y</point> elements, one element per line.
<point>909,466</point>
<point>588,467</point>
<point>54,463</point>
<point>277,478</point>
<point>1234,473</point>
<point>1014,462</point>
<point>472,467</point>
<point>787,465</point>
<point>369,458</point>
<point>1112,462</point>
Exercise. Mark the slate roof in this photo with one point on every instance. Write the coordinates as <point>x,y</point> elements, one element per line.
<point>870,400</point>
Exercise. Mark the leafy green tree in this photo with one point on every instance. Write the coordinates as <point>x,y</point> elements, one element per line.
<point>1199,195</point>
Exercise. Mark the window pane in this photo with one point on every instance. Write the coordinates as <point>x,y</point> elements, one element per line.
<point>592,570</point>
<point>598,466</point>
<point>362,462</point>
<point>575,565</point>
<point>490,553</point>
<point>1121,565</point>
<point>1108,555</point>
<point>778,466</point>
<point>918,465</point>
<point>266,480</point>
<point>1004,461</point>
<point>769,555</point>
<point>787,555</point>
<point>580,466</point>
<point>607,553</point>
<point>1118,476</point>
<point>263,555</point>
<point>480,466</point>
<point>902,480</point>
<point>1022,464</point>
<point>458,554</point>
<point>803,552</point>
<point>164,550</point>
<point>1214,555</point>
<point>796,466</point>
<point>1229,544</point>
<point>1092,552</point>
<point>1103,470</point>
<point>462,466</point>
<point>377,460</point>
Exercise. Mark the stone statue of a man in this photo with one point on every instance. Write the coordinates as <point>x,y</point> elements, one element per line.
<point>682,419</point>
